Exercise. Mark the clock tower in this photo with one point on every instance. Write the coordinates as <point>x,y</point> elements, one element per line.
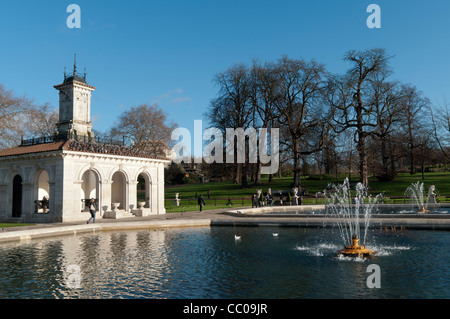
<point>75,105</point>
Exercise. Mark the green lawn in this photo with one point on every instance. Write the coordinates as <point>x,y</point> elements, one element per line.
<point>5,225</point>
<point>403,180</point>
<point>221,191</point>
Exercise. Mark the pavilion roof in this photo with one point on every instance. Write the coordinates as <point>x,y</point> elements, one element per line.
<point>77,146</point>
<point>38,148</point>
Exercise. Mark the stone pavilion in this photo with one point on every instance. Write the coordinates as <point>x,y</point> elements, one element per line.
<point>51,179</point>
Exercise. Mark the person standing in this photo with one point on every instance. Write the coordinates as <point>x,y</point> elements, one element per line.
<point>201,202</point>
<point>254,201</point>
<point>92,210</point>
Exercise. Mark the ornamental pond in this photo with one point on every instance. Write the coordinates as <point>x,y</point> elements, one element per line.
<point>208,262</point>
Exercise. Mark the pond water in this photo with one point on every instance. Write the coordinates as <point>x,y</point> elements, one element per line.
<point>378,210</point>
<point>210,263</point>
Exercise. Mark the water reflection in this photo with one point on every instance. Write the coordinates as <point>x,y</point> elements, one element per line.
<point>209,263</point>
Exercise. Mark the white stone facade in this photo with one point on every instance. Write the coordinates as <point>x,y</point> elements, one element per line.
<point>67,178</point>
<point>48,180</point>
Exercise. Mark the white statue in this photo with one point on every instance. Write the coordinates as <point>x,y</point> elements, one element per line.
<point>295,197</point>
<point>432,195</point>
<point>177,200</point>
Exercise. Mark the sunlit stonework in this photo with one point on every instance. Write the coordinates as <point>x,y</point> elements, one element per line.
<point>50,179</point>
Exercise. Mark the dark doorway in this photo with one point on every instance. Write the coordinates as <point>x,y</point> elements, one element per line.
<point>17,197</point>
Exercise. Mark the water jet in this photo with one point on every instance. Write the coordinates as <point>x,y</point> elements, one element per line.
<point>352,213</point>
<point>418,197</point>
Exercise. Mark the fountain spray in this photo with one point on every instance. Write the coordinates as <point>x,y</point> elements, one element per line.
<point>348,210</point>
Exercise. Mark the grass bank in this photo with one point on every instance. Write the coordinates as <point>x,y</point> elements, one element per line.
<point>221,191</point>
<point>6,225</point>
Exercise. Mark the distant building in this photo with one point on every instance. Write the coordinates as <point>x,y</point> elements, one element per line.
<point>194,168</point>
<point>51,179</point>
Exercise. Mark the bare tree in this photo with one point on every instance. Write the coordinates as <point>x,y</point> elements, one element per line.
<point>12,109</point>
<point>233,109</point>
<point>301,114</point>
<point>146,128</point>
<point>413,120</point>
<point>440,123</point>
<point>351,99</point>
<point>263,93</point>
<point>387,103</point>
<point>424,149</point>
<point>41,120</point>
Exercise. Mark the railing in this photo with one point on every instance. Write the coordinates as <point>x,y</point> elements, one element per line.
<point>71,136</point>
<point>75,76</point>
<point>41,140</point>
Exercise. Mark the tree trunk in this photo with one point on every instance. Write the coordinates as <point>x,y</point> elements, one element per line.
<point>244,179</point>
<point>296,163</point>
<point>237,175</point>
<point>411,149</point>
<point>361,146</point>
<point>363,172</point>
<point>412,170</point>
<point>384,158</point>
<point>423,168</point>
<point>258,172</point>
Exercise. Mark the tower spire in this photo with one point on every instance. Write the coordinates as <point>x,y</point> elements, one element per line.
<point>74,65</point>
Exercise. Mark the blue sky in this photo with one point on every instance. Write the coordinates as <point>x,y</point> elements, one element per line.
<point>168,52</point>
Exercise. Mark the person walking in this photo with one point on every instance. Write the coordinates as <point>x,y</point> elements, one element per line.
<point>92,210</point>
<point>201,202</point>
<point>254,201</point>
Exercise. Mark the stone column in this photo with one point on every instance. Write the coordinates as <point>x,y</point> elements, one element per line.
<point>160,203</point>
<point>27,201</point>
<point>5,199</point>
<point>132,195</point>
<point>105,196</point>
<point>52,203</point>
<point>72,201</point>
<point>153,197</point>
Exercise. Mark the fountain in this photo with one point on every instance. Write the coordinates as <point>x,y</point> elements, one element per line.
<point>348,216</point>
<point>416,192</point>
<point>355,249</point>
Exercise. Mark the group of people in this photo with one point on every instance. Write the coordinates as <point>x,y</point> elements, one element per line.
<point>258,201</point>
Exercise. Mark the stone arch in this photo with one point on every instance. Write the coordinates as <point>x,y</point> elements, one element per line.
<point>92,168</point>
<point>42,191</point>
<point>17,194</point>
<point>90,188</point>
<point>13,171</point>
<point>144,188</point>
<point>42,184</point>
<point>121,169</point>
<point>119,189</point>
